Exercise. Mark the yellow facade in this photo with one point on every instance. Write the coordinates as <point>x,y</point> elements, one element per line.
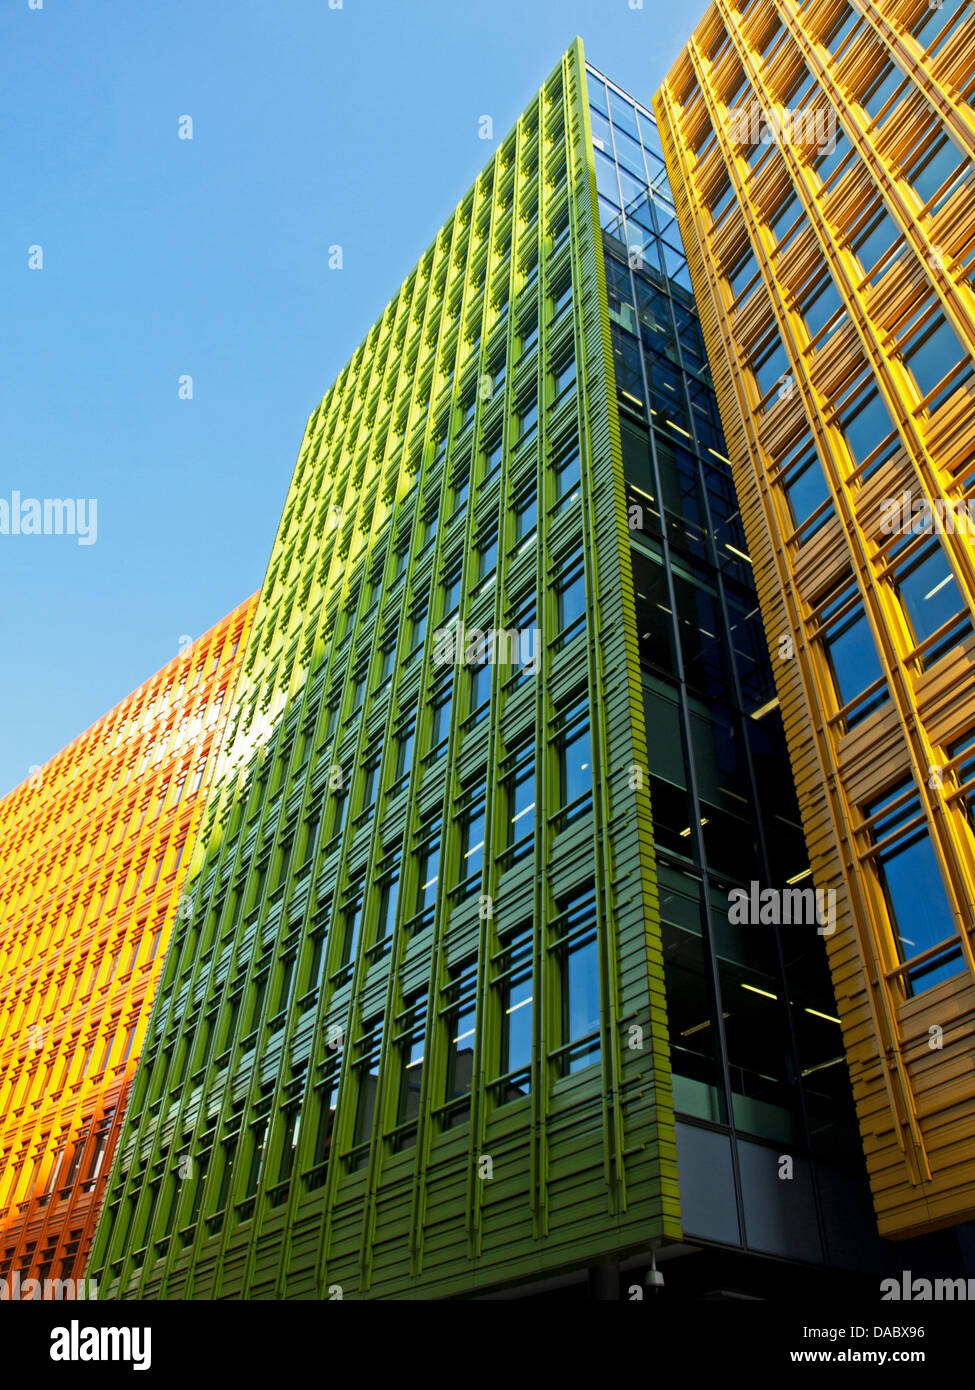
<point>821,161</point>
<point>95,848</point>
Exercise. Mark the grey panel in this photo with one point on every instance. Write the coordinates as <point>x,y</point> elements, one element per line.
<point>780,1212</point>
<point>707,1189</point>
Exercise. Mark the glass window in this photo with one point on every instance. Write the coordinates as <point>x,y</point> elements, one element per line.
<point>468,404</point>
<point>742,273</point>
<point>441,719</point>
<point>602,136</point>
<point>881,89</point>
<point>526,514</point>
<point>387,659</point>
<point>913,890</point>
<point>358,689</point>
<point>528,329</point>
<point>428,864</point>
<point>830,161</point>
<point>782,218</point>
<point>748,646</point>
<point>286,983</point>
<point>352,925</point>
<point>258,1143</point>
<point>570,596</point>
<point>514,982</point>
<point>874,239</point>
<point>568,475</point>
<point>630,156</point>
<point>764,1094</point>
<point>460,483</point>
<point>597,93</point>
<point>521,646</point>
<point>564,375</point>
<point>388,899</point>
<point>578,960</point>
<point>654,615</point>
<point>101,1144</point>
<point>366,1068</point>
<point>519,786</point>
<point>851,652</point>
<point>607,183</point>
<point>936,162</point>
<point>629,375</point>
<point>331,719</point>
<point>755,153</point>
<point>575,760</point>
<point>805,488</point>
<point>624,116</point>
<point>721,197</point>
<point>701,628</point>
<point>460,1019</point>
<point>497,367</point>
<point>737,87</point>
<point>324,1126</point>
<point>411,1046</point>
<point>581,996</point>
<point>931,19</point>
<point>480,687</point>
<point>472,832</point>
<point>770,365</point>
<point>802,83</point>
<point>404,750</point>
<point>865,425</point>
<point>487,556</point>
<point>316,967</point>
<point>451,593</point>
<point>964,749</point>
<point>818,304</point>
<point>527,416</point>
<point>399,562</point>
<point>291,1130</point>
<point>561,294</point>
<point>931,352</point>
<point>929,593</point>
<point>57,1159</point>
<point>492,457</point>
<point>257,1005</point>
<point>418,629</point>
<point>694,1042</point>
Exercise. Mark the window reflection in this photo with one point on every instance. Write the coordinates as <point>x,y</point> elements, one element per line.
<point>913,890</point>
<point>577,955</point>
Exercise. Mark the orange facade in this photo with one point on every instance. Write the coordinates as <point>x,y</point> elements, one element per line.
<point>94,848</point>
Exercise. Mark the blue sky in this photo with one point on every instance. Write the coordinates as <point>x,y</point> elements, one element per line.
<point>208,257</point>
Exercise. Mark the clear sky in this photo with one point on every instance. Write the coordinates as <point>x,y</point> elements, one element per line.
<point>164,257</point>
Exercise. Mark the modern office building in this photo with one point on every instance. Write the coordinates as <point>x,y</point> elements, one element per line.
<point>461,1006</point>
<point>821,157</point>
<point>94,856</point>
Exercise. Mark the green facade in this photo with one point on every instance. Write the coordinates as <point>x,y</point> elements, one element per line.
<point>411,1035</point>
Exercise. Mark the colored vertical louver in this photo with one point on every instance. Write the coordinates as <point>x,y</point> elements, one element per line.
<point>413,1040</point>
<point>821,157</point>
<point>95,848</point>
<point>393,1048</point>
